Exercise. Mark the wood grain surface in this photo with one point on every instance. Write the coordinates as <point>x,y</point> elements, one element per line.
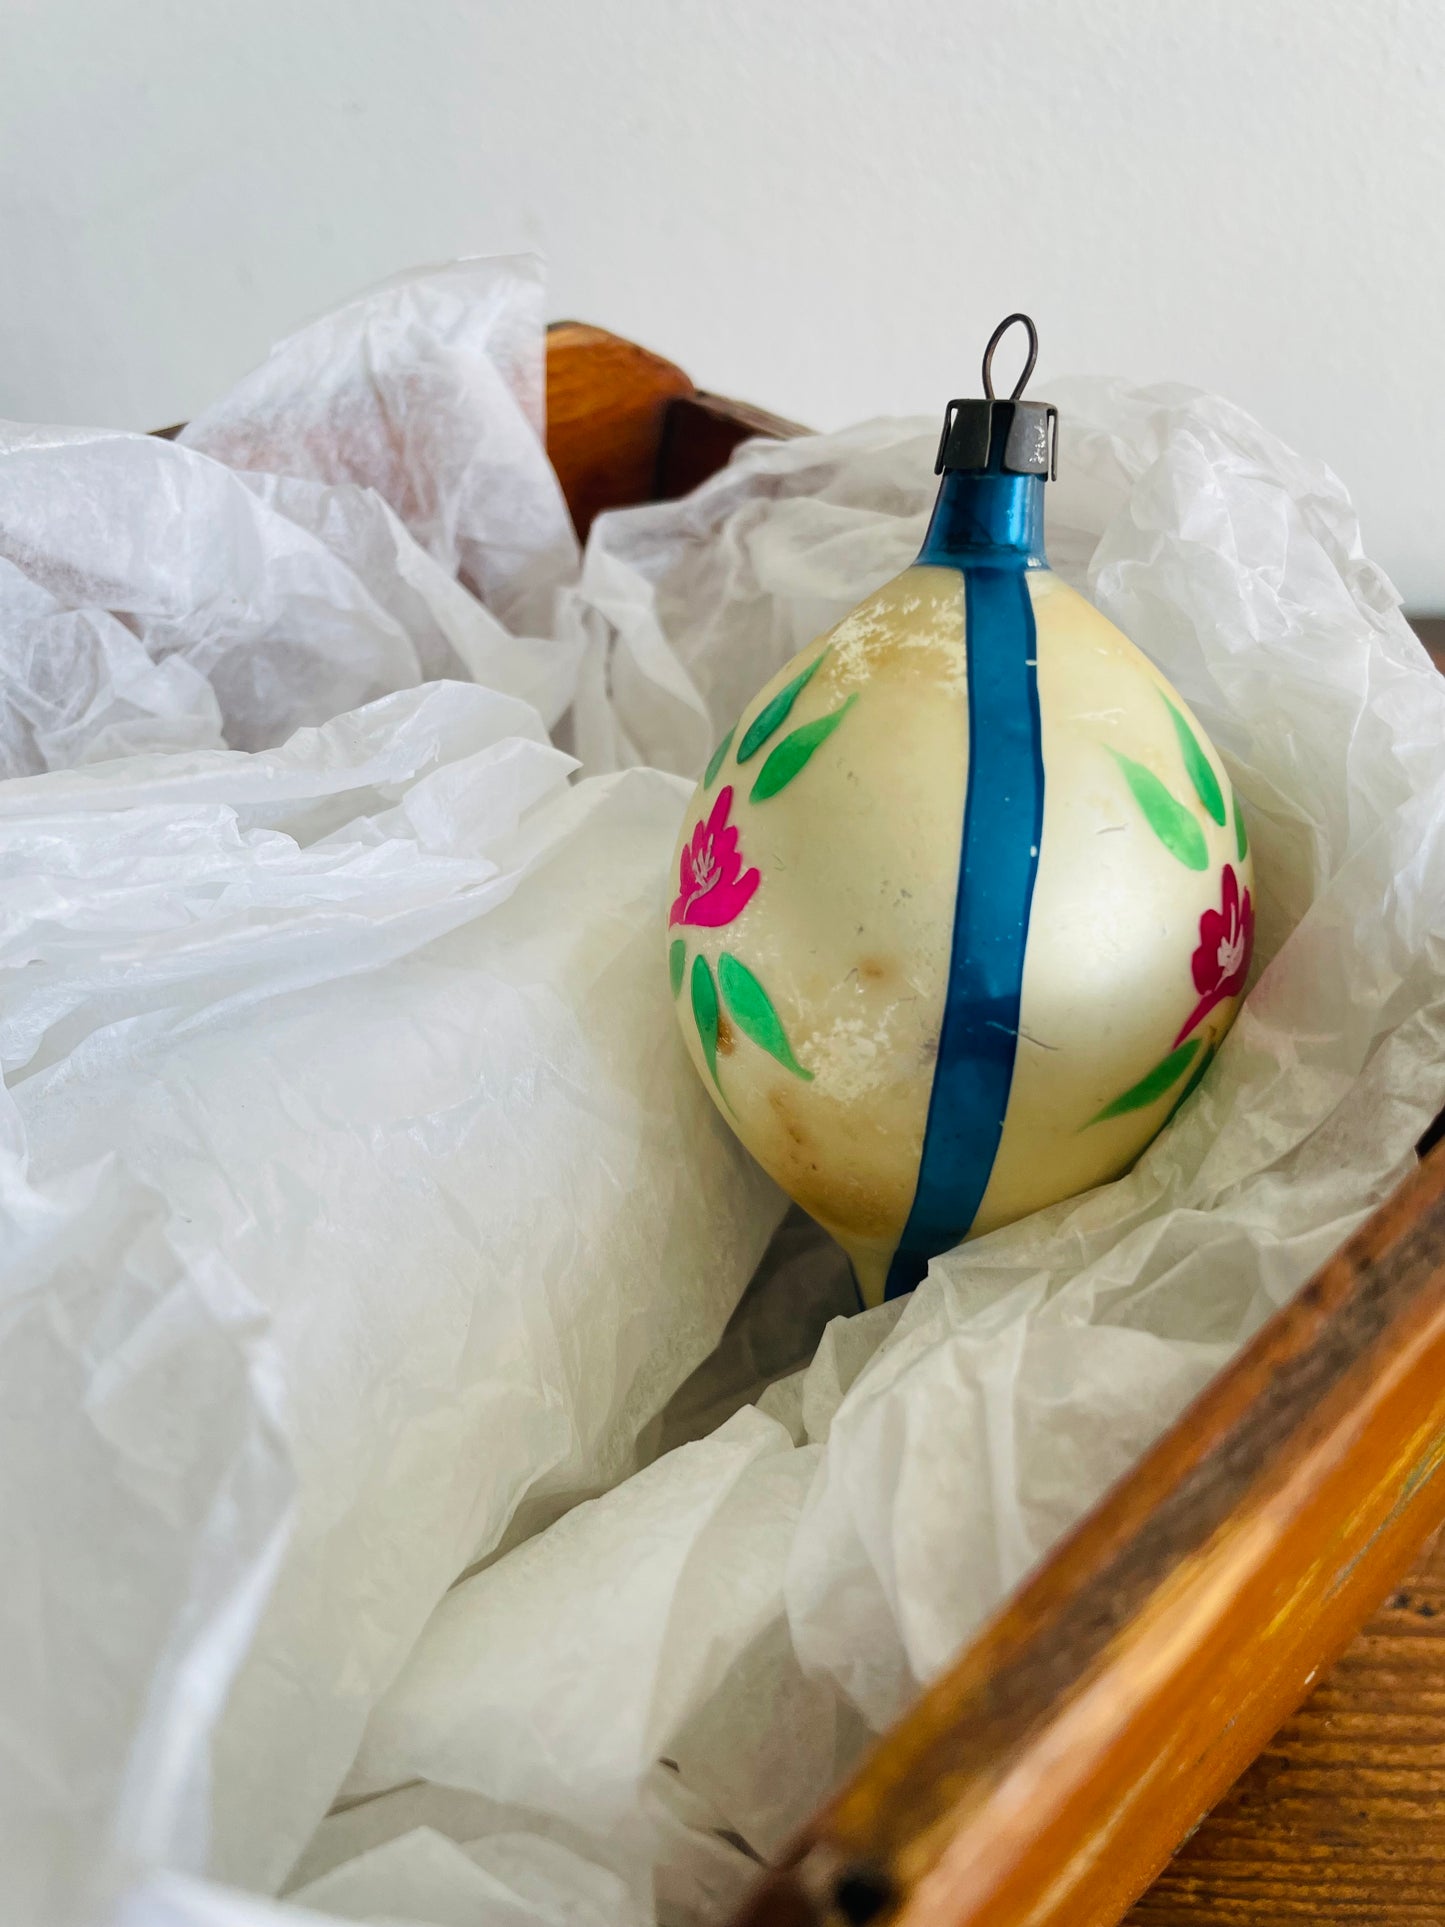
<point>701,433</point>
<point>625,426</point>
<point>1342,1817</point>
<point>1431,631</point>
<point>607,406</point>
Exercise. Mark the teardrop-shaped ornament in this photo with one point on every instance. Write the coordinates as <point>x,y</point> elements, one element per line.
<point>964,899</point>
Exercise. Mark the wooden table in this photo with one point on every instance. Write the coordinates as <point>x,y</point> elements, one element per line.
<point>1342,1817</point>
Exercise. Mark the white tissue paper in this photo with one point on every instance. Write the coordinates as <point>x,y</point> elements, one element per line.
<point>339,489</point>
<point>372,1440</point>
<point>361,1035</point>
<point>431,392</point>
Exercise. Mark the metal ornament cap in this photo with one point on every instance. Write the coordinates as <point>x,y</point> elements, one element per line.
<point>1012,437</point>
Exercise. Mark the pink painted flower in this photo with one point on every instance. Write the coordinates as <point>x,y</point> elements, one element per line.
<point>1221,963</point>
<point>710,888</point>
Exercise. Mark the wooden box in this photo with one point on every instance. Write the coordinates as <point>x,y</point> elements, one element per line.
<point>1049,1775</point>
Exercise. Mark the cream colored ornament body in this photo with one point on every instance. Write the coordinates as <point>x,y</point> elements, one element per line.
<point>815,943</point>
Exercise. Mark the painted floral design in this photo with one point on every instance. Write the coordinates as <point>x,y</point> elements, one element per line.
<point>713,887</point>
<point>1221,963</point>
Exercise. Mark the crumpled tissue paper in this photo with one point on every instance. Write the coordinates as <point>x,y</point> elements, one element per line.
<point>357,1043</point>
<point>340,488</point>
<point>372,1437</point>
<point>429,391</point>
<point>357,1208</point>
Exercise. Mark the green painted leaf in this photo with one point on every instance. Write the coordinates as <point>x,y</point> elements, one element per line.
<point>1201,770</point>
<point>676,958</point>
<point>1174,826</point>
<point>776,713</point>
<point>1196,1078</point>
<point>716,763</point>
<point>793,753</point>
<point>1241,835</point>
<point>704,1010</point>
<point>1151,1088</point>
<point>753,1011</point>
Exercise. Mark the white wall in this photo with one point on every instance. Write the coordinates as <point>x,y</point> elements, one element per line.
<point>819,205</point>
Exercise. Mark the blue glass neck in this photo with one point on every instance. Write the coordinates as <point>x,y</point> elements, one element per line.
<point>986,516</point>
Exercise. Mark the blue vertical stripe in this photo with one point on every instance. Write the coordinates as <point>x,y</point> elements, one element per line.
<point>998,862</point>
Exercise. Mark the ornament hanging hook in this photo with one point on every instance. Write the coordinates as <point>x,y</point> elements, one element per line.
<point>994,339</point>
